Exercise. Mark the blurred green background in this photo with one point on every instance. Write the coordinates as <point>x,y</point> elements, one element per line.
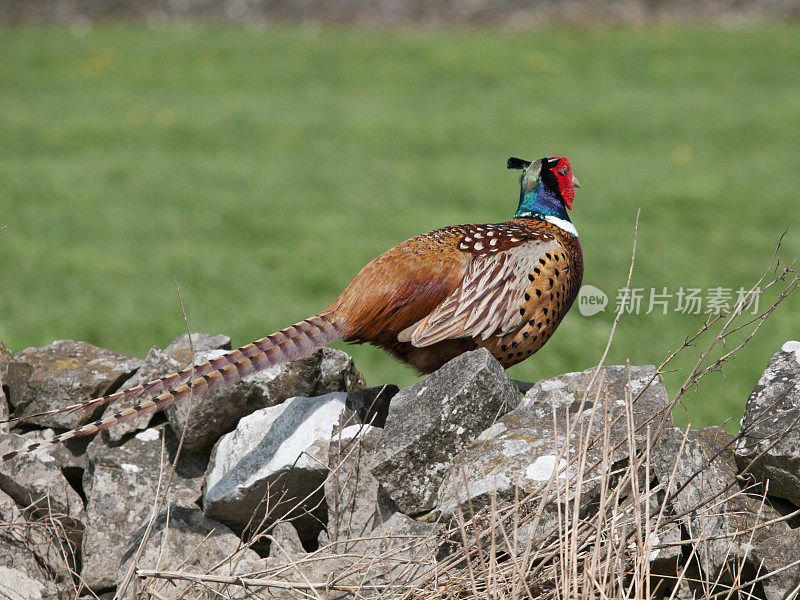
<point>262,167</point>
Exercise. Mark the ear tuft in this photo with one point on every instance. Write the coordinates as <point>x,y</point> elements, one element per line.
<point>517,163</point>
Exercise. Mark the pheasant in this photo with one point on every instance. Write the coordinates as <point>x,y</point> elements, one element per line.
<point>503,286</point>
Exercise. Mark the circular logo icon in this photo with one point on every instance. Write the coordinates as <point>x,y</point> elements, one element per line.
<point>591,300</point>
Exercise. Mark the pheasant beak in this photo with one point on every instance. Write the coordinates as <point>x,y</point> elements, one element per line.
<point>575,183</point>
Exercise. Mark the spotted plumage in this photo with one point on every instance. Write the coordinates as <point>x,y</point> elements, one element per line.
<point>502,286</point>
<point>482,240</point>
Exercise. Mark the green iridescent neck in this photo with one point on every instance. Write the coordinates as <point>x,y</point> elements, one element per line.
<point>541,201</point>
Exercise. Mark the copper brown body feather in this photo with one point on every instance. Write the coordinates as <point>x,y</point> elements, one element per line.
<point>504,286</point>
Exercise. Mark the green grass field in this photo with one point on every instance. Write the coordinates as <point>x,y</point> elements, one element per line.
<point>262,168</point>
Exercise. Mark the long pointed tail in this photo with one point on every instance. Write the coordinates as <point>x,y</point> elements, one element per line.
<point>157,386</point>
<point>291,343</point>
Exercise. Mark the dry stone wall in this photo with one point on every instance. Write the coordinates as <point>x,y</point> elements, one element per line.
<point>303,474</point>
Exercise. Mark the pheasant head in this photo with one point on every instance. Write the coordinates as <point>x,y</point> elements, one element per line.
<point>547,187</point>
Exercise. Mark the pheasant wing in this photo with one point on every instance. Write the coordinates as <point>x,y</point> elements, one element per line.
<point>489,298</point>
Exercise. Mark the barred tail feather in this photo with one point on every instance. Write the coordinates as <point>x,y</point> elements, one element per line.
<point>157,386</point>
<point>167,382</point>
<point>291,343</point>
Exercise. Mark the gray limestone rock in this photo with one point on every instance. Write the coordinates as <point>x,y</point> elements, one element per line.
<point>4,411</point>
<point>770,432</point>
<point>318,569</point>
<point>324,371</point>
<point>52,553</point>
<point>278,454</point>
<point>667,552</point>
<point>182,538</point>
<point>726,522</point>
<point>285,543</point>
<point>351,490</point>
<point>64,373</point>
<point>212,415</point>
<point>525,448</point>
<point>120,485</point>
<point>400,551</point>
<point>158,363</point>
<point>36,483</point>
<point>181,350</point>
<point>664,544</point>
<point>431,420</point>
<point>5,357</point>
<point>69,456</point>
<point>361,524</point>
<point>17,585</point>
<point>29,548</point>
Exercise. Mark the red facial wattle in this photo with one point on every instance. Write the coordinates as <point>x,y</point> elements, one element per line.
<point>563,172</point>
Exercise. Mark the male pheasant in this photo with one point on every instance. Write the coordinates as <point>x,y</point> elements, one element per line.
<point>502,286</point>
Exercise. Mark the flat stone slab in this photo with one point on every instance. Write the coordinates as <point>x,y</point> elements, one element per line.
<point>429,422</point>
<point>62,373</point>
<point>276,457</point>
<point>35,481</point>
<point>29,549</point>
<point>17,585</point>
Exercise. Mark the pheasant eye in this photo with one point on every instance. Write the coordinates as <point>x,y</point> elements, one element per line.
<point>562,170</point>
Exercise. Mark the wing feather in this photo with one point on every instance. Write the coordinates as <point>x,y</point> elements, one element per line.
<point>487,301</point>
